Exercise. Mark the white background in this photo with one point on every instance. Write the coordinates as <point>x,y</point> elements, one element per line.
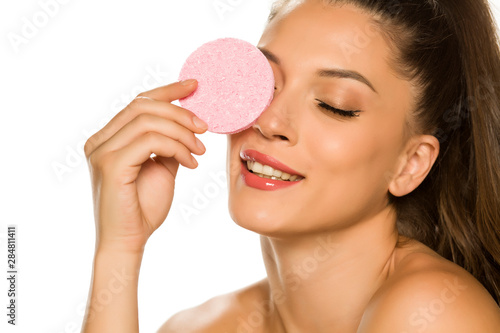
<point>63,83</point>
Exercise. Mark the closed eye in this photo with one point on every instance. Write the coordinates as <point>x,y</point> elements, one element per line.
<point>344,113</point>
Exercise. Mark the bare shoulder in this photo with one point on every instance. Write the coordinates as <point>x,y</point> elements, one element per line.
<point>427,293</point>
<point>220,314</point>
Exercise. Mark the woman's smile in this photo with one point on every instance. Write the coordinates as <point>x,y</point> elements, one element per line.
<point>265,172</point>
<point>337,121</point>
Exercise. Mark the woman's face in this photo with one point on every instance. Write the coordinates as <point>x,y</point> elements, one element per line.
<point>346,161</point>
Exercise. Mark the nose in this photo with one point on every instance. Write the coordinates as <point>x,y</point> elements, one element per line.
<point>276,122</point>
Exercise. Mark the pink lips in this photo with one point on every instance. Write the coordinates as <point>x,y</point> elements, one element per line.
<point>253,155</point>
<point>266,184</point>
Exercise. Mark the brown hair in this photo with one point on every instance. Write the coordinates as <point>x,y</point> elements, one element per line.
<point>450,49</point>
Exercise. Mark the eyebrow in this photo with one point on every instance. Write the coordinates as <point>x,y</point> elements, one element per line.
<point>326,72</point>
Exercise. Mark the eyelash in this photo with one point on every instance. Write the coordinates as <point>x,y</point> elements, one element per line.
<point>344,113</point>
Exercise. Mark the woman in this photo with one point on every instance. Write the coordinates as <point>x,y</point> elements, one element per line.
<point>388,114</point>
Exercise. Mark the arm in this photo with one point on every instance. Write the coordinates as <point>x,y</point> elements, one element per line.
<point>132,194</point>
<point>112,304</point>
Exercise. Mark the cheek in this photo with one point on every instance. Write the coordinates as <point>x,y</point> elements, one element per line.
<point>232,155</point>
<point>350,169</point>
<point>346,160</point>
<point>364,148</point>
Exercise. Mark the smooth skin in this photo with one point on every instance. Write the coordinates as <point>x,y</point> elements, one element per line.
<point>334,259</point>
<point>133,193</point>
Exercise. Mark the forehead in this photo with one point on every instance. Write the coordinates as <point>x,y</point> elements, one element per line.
<point>320,15</point>
<point>312,33</point>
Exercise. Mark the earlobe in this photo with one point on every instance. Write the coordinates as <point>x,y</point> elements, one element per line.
<point>415,164</point>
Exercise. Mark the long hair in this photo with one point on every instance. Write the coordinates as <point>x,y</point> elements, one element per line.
<point>450,49</point>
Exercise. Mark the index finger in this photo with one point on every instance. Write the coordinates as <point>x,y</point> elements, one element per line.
<point>147,103</point>
<point>170,92</point>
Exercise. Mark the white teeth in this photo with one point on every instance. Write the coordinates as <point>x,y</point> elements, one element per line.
<point>268,172</point>
<point>257,167</point>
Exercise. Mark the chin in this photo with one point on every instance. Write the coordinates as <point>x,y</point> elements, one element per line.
<point>264,218</point>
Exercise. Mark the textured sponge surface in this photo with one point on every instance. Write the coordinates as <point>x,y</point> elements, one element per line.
<point>235,84</point>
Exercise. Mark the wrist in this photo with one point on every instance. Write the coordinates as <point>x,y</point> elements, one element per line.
<point>118,249</point>
<point>109,266</point>
<point>113,257</point>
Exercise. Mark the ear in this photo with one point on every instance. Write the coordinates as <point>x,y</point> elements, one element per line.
<point>414,165</point>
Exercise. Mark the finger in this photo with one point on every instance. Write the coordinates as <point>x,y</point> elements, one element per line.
<point>142,105</point>
<point>140,150</point>
<point>146,122</point>
<point>171,164</point>
<point>171,92</point>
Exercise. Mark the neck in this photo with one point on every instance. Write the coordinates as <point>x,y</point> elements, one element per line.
<point>323,282</point>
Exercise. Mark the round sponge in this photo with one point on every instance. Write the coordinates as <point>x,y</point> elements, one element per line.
<point>235,84</point>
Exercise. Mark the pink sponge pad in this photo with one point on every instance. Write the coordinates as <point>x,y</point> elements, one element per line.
<point>235,84</point>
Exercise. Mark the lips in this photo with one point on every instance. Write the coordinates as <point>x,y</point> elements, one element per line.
<point>253,155</point>
<point>261,183</point>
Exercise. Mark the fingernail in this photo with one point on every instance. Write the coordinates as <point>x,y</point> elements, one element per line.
<point>194,160</point>
<point>199,123</point>
<point>188,82</point>
<point>200,144</point>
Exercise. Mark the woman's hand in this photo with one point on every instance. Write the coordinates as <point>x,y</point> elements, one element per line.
<point>132,191</point>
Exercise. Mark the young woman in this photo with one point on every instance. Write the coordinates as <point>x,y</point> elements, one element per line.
<point>386,116</point>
